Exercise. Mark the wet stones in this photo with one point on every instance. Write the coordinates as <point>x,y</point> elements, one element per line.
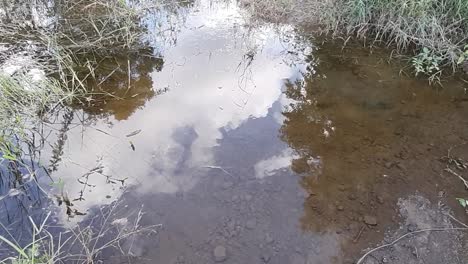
<point>370,220</point>
<point>220,253</point>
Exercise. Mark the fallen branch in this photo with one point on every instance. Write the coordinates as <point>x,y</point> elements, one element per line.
<point>406,235</point>
<point>465,182</point>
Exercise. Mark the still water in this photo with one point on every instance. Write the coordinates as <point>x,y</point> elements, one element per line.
<point>245,143</point>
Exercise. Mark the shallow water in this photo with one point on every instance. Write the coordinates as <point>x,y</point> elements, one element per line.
<point>246,136</point>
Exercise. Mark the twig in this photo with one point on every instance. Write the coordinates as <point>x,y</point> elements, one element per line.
<point>465,182</point>
<point>359,234</point>
<point>219,168</point>
<point>456,220</point>
<point>406,235</point>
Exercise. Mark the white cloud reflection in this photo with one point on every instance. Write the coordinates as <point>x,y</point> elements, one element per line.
<point>212,85</point>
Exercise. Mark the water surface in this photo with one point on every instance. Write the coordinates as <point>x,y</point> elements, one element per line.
<point>245,135</point>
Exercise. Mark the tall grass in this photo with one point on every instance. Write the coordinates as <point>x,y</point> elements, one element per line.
<point>439,26</point>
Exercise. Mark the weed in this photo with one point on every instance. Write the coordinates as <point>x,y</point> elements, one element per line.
<point>439,26</point>
<point>79,244</point>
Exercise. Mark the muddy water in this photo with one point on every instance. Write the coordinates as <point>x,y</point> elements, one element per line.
<point>249,144</point>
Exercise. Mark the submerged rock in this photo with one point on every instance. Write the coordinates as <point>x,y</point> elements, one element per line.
<point>220,253</point>
<point>370,220</point>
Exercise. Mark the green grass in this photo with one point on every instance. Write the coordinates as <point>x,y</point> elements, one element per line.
<point>436,29</point>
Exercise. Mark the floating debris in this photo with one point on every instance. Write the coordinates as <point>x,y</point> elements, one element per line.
<point>134,133</point>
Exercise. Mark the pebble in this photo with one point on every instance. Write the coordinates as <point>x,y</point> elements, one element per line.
<point>340,208</point>
<point>370,220</point>
<point>412,227</point>
<point>352,196</point>
<point>220,253</point>
<point>269,239</point>
<point>388,165</point>
<point>250,224</point>
<point>385,260</point>
<point>265,257</point>
<point>401,166</point>
<point>380,199</point>
<point>341,187</point>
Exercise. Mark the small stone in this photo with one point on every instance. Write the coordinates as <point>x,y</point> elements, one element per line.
<point>108,196</point>
<point>352,196</point>
<point>341,187</point>
<point>380,199</point>
<point>265,257</point>
<point>388,165</point>
<point>401,167</point>
<point>340,208</point>
<point>370,220</point>
<point>269,239</point>
<point>412,227</point>
<point>220,253</point>
<point>385,260</point>
<point>251,223</point>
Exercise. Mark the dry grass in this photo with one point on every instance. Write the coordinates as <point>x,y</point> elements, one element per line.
<point>81,243</point>
<point>440,26</point>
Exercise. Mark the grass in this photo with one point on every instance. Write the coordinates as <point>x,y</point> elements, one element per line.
<point>434,31</point>
<point>54,57</point>
<point>66,50</point>
<point>79,244</point>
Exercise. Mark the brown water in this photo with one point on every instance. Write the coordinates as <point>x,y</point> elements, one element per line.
<point>246,136</point>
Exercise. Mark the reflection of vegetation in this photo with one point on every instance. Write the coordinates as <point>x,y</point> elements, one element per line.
<point>440,26</point>
<point>57,148</point>
<point>93,57</point>
<point>81,244</point>
<point>121,85</point>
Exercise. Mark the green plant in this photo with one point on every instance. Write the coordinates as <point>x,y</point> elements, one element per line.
<point>427,62</point>
<point>441,26</point>
<point>33,253</point>
<point>464,56</point>
<point>463,202</point>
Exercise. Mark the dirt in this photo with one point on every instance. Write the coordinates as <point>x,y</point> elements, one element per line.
<point>443,244</point>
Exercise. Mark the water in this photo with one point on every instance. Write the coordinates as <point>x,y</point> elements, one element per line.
<point>244,135</point>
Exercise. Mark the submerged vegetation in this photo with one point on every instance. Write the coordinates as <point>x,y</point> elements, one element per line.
<point>434,31</point>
